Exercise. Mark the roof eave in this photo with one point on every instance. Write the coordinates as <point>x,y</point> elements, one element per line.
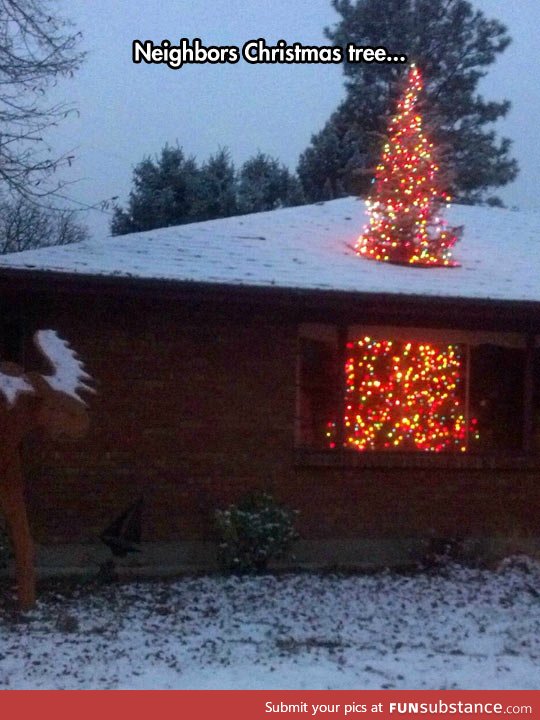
<point>525,313</point>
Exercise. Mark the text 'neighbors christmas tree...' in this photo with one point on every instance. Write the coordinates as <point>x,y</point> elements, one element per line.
<point>405,223</point>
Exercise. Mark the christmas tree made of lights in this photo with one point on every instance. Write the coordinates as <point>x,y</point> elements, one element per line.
<point>405,223</point>
<point>404,395</point>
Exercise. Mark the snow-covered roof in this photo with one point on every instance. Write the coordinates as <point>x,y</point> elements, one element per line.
<point>310,248</point>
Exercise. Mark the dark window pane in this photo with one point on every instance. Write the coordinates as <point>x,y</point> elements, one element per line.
<point>317,388</point>
<point>496,396</point>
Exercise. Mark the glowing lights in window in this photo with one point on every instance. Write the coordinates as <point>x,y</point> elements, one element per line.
<point>404,396</point>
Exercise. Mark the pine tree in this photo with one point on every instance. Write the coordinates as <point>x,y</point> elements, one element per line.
<point>322,166</point>
<point>454,44</point>
<point>164,193</point>
<point>265,184</point>
<point>173,190</point>
<point>405,224</point>
<point>216,196</point>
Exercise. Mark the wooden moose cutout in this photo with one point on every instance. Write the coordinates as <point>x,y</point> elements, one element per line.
<point>28,402</point>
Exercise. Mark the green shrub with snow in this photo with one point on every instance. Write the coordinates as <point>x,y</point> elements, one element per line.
<point>254,532</point>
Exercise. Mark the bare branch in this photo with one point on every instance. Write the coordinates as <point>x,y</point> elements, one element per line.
<point>37,48</point>
<point>25,225</point>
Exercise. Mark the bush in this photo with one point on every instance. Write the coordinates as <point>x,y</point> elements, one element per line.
<point>254,532</point>
<point>440,553</point>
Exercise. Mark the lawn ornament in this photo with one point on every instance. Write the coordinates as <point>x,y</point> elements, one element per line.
<point>31,401</point>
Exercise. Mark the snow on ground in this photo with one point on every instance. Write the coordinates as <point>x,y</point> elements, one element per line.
<point>462,628</point>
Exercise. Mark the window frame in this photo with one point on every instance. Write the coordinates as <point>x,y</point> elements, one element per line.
<point>525,458</point>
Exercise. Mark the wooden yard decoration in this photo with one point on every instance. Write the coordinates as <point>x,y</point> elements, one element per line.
<point>31,401</point>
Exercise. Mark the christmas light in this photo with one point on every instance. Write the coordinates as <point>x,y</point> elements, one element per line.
<point>404,396</point>
<point>405,225</point>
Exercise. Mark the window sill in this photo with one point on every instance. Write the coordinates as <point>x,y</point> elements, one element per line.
<point>354,459</point>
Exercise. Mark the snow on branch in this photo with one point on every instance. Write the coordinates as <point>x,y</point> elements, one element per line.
<point>69,375</point>
<point>11,386</point>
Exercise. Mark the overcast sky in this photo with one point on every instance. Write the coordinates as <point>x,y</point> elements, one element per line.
<point>128,111</point>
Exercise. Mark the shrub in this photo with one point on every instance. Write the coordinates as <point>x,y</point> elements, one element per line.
<point>253,532</point>
<point>440,553</point>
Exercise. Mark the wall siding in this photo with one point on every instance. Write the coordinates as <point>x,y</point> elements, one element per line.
<point>196,406</point>
<point>190,412</point>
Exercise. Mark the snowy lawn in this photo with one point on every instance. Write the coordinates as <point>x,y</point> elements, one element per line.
<point>459,629</point>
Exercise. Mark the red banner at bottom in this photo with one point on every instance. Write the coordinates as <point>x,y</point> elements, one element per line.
<point>273,704</point>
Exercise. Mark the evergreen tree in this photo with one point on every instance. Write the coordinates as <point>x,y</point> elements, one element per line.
<point>405,206</point>
<point>174,190</point>
<point>216,195</point>
<point>264,184</point>
<point>324,160</point>
<point>164,194</point>
<point>454,44</point>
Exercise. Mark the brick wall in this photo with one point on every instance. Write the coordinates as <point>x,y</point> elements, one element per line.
<point>191,411</point>
<point>413,503</point>
<point>196,406</point>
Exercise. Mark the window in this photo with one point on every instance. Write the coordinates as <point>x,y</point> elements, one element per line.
<point>319,385</point>
<point>496,395</point>
<point>395,389</point>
